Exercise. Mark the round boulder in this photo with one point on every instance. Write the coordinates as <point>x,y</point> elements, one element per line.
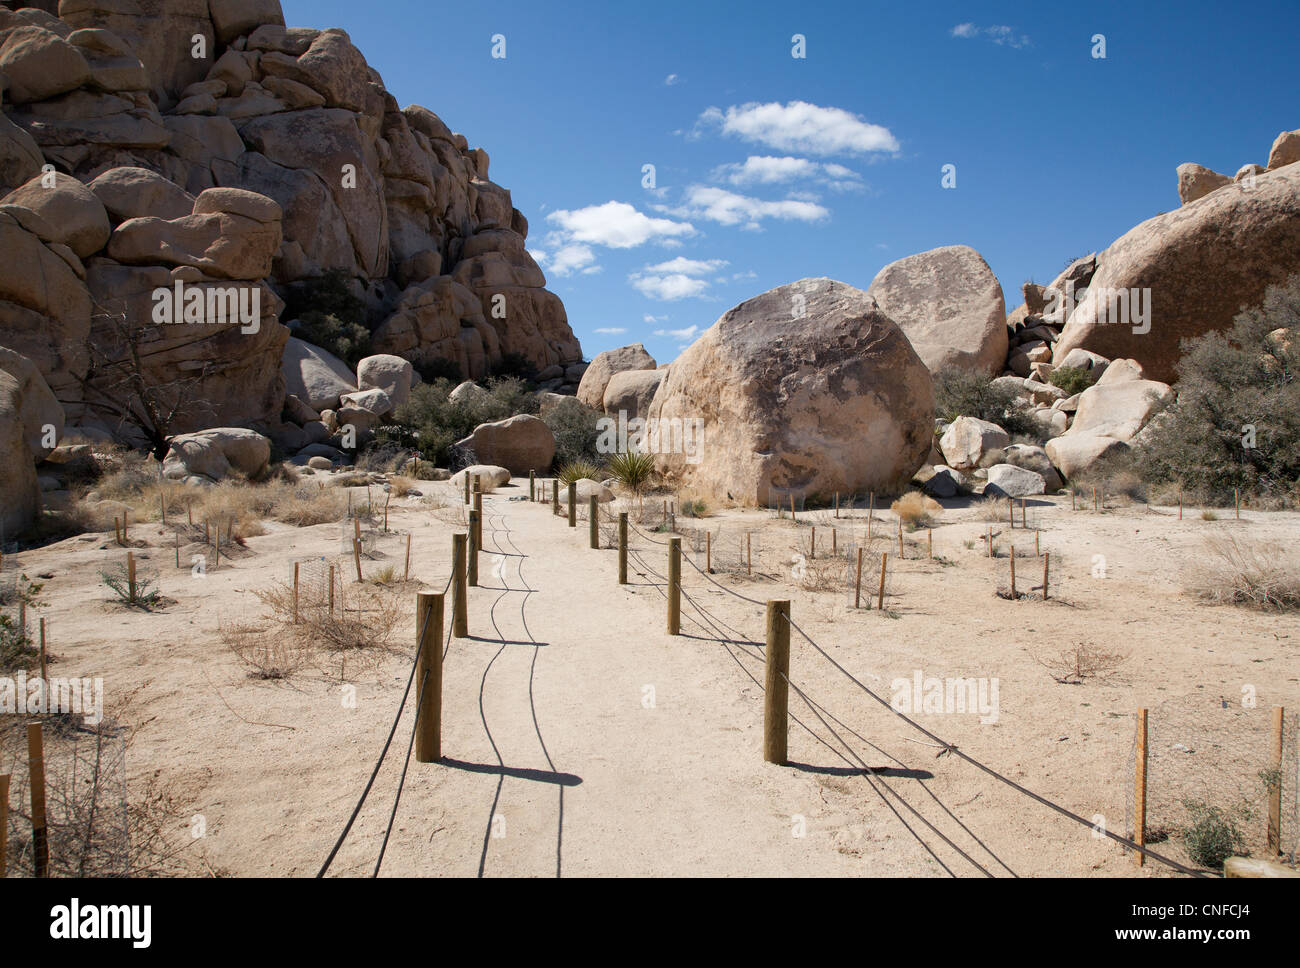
<point>805,389</point>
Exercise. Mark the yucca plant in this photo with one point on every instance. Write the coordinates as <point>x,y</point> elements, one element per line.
<point>576,470</point>
<point>632,471</point>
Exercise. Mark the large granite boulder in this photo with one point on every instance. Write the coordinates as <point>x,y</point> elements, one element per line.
<point>22,498</point>
<point>595,380</point>
<point>949,304</point>
<point>632,391</point>
<point>211,455</point>
<point>315,376</point>
<point>520,444</point>
<point>806,389</point>
<point>1193,268</point>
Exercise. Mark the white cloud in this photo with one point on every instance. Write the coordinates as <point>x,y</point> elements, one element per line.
<point>567,259</point>
<point>672,80</point>
<point>688,267</point>
<point>771,170</point>
<point>617,225</point>
<point>1000,34</point>
<point>685,335</point>
<point>611,331</point>
<point>668,288</point>
<point>654,319</point>
<point>730,208</point>
<point>801,127</point>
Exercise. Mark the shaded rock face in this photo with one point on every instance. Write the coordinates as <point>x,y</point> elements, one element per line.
<point>806,389</point>
<point>18,467</point>
<point>142,123</point>
<point>949,304</point>
<point>632,392</point>
<point>1201,264</point>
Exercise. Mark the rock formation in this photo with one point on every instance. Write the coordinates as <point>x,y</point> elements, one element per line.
<point>133,158</point>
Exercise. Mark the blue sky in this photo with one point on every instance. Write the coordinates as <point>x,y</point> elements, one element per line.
<point>771,168</point>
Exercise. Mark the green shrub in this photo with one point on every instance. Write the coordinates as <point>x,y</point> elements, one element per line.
<point>960,393</point>
<point>578,470</point>
<point>432,422</point>
<point>1212,836</point>
<point>576,430</point>
<point>632,471</point>
<point>439,369</point>
<point>1228,383</point>
<point>350,342</point>
<point>1072,379</point>
<point>514,365</point>
<point>328,295</point>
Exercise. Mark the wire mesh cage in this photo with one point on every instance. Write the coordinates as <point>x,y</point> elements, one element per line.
<point>737,551</point>
<point>1212,766</point>
<point>783,502</point>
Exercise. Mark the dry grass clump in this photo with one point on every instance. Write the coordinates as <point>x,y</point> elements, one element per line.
<point>992,509</point>
<point>1263,575</point>
<point>400,486</point>
<point>916,510</point>
<point>267,653</point>
<point>305,505</point>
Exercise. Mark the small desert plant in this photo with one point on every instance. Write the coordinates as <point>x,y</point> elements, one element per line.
<point>1212,834</point>
<point>140,593</point>
<point>915,510</point>
<point>693,507</point>
<point>268,654</point>
<point>632,471</point>
<point>1265,575</point>
<point>400,486</point>
<point>578,470</point>
<point>1072,379</point>
<point>1073,666</point>
<point>1209,516</point>
<point>384,576</point>
<point>16,648</point>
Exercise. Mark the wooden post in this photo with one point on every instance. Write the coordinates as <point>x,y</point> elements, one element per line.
<point>555,498</point>
<point>622,547</point>
<point>793,517</point>
<point>406,575</point>
<point>189,513</point>
<point>162,506</point>
<point>532,486</point>
<point>1140,790</point>
<point>776,688</point>
<point>130,575</point>
<point>36,776</point>
<point>857,583</point>
<point>1047,559</point>
<point>467,477</point>
<point>929,543</point>
<point>708,552</point>
<point>428,677</point>
<point>989,541</point>
<point>1013,571</point>
<point>295,593</point>
<point>356,556</point>
<point>331,599</point>
<point>573,504</point>
<point>460,603</point>
<point>472,565</point>
<point>813,545</point>
<point>1094,498</point>
<point>126,520</point>
<point>880,598</point>
<point>1011,512</point>
<point>593,523</point>
<point>1274,840</point>
<point>478,515</point>
<point>4,825</point>
<point>674,586</point>
<point>749,553</point>
<point>835,542</point>
<point>1037,552</point>
<point>837,504</point>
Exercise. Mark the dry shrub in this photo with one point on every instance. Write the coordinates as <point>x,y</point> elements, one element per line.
<point>266,651</point>
<point>993,509</point>
<point>1073,666</point>
<point>363,618</point>
<point>399,486</point>
<point>1264,574</point>
<point>305,505</point>
<point>916,510</point>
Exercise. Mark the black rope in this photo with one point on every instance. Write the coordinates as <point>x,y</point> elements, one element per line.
<point>419,703</point>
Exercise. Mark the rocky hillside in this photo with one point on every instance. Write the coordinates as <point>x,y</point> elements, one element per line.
<point>133,137</point>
